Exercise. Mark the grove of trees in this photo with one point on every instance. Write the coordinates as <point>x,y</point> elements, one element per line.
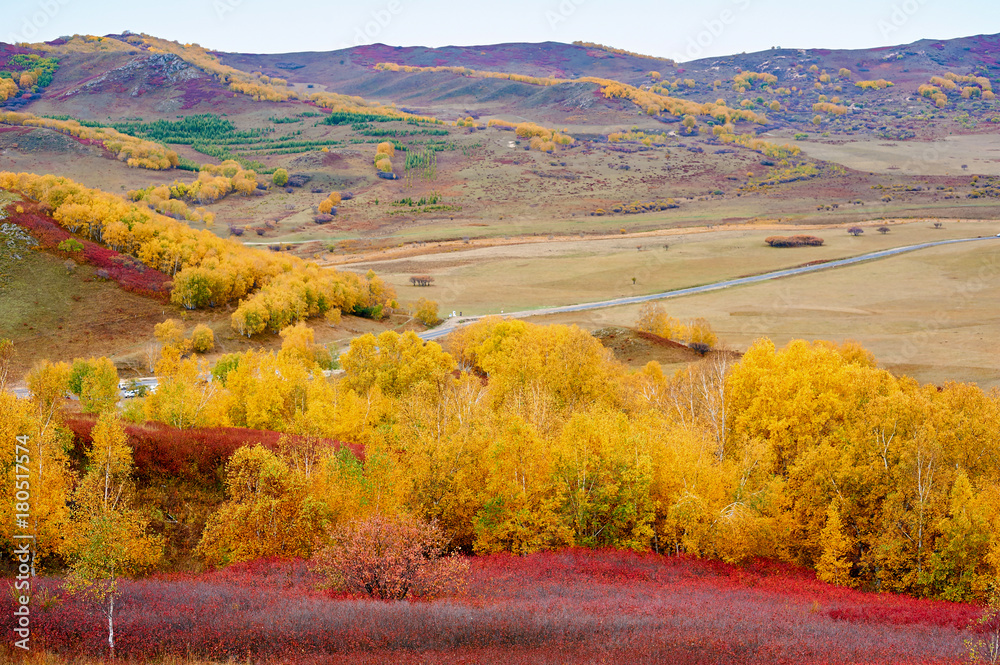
<point>521,438</point>
<point>272,291</point>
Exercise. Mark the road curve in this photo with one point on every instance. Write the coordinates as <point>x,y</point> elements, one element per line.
<point>453,324</point>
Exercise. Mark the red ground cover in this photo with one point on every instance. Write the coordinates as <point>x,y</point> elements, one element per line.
<point>573,606</point>
<point>127,271</point>
<point>193,454</point>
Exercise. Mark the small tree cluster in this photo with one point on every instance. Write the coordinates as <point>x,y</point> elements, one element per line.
<point>855,231</point>
<point>793,241</point>
<point>421,280</point>
<point>383,156</point>
<point>696,333</point>
<point>328,206</point>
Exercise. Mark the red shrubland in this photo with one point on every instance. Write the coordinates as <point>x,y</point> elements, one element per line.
<point>580,606</point>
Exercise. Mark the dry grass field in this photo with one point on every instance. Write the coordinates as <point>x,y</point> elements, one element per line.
<point>931,314</point>
<point>486,280</point>
<point>980,153</point>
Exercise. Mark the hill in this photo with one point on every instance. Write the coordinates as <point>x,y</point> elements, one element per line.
<point>646,146</point>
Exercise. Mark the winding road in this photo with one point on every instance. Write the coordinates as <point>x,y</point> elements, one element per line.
<point>455,323</point>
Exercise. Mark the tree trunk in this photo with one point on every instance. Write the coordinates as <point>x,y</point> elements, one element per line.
<point>111,624</point>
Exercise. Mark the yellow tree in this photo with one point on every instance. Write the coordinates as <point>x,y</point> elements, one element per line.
<point>834,564</point>
<point>603,469</point>
<point>185,397</point>
<point>35,463</point>
<point>521,506</point>
<point>202,339</point>
<point>268,510</point>
<point>395,363</point>
<point>95,382</point>
<point>959,568</point>
<point>6,360</point>
<point>107,538</point>
<point>48,383</point>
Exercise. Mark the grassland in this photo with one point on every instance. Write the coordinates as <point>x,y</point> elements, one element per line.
<point>944,157</point>
<point>560,272</point>
<point>930,314</point>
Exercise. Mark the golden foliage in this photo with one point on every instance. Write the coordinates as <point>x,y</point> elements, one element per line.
<point>134,152</point>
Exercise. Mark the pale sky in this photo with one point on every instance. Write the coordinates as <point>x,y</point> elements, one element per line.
<point>680,30</point>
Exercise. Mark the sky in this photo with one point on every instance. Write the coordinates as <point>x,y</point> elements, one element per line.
<point>680,30</point>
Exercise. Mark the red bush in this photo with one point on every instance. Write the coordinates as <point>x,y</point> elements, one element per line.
<point>162,450</point>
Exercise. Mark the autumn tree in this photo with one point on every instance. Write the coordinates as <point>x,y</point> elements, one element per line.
<point>6,360</point>
<point>280,177</point>
<point>395,363</point>
<point>268,511</point>
<point>391,559</point>
<point>108,539</point>
<point>42,455</point>
<point>426,311</point>
<point>184,397</point>
<point>170,333</point>
<point>95,382</point>
<point>834,565</point>
<point>653,318</point>
<point>202,339</point>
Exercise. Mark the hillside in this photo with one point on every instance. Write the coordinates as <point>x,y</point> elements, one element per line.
<point>779,137</point>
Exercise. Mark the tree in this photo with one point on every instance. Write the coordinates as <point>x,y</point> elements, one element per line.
<point>653,319</point>
<point>95,382</point>
<point>958,568</point>
<point>421,280</point>
<point>834,565</point>
<point>107,539</point>
<point>42,456</point>
<point>268,511</point>
<point>184,397</point>
<point>280,177</point>
<point>855,231</point>
<point>986,649</point>
<point>48,383</point>
<point>169,333</point>
<point>202,339</point>
<point>700,336</point>
<point>883,229</point>
<point>426,311</point>
<point>395,363</point>
<point>6,360</point>
<point>298,342</point>
<point>391,559</point>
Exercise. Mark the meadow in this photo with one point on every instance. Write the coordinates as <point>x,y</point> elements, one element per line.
<point>540,272</point>
<point>928,314</point>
